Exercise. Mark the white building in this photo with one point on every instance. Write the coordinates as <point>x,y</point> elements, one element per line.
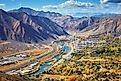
<point>86,43</point>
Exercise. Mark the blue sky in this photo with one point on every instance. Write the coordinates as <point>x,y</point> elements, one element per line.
<point>66,7</point>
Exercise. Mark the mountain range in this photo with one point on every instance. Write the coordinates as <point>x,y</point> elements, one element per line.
<point>28,25</point>
<point>98,24</point>
<point>22,27</point>
<point>66,21</point>
<point>110,25</point>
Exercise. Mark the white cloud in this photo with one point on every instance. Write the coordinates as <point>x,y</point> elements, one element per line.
<point>2,5</point>
<point>110,1</point>
<point>72,7</point>
<point>69,3</point>
<point>103,1</point>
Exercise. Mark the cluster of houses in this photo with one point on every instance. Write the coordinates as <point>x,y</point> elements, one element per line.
<point>12,59</point>
<point>87,43</point>
<point>18,57</point>
<point>6,62</point>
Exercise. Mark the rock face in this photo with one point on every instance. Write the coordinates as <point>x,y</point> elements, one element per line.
<point>75,24</point>
<point>96,25</point>
<point>67,22</point>
<point>106,26</point>
<point>22,27</point>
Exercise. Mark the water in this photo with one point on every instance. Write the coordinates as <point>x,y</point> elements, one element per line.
<point>56,57</point>
<point>42,68</point>
<point>66,49</point>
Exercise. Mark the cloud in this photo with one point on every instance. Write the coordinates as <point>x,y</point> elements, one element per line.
<point>70,7</point>
<point>74,7</point>
<point>110,1</point>
<point>69,3</point>
<point>2,5</point>
<point>103,1</point>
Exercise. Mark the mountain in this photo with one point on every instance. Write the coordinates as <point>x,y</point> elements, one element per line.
<point>93,14</point>
<point>110,25</point>
<point>67,22</point>
<point>75,24</point>
<point>103,24</point>
<point>22,27</point>
<point>36,13</point>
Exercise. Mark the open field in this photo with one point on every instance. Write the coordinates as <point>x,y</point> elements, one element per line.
<point>33,53</point>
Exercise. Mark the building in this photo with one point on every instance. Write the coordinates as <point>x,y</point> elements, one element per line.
<point>86,43</point>
<point>6,62</point>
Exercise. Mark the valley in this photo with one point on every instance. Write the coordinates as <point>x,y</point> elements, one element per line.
<point>48,46</point>
<point>73,59</point>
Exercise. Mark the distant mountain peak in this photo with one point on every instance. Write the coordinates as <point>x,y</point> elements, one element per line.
<point>24,8</point>
<point>34,12</point>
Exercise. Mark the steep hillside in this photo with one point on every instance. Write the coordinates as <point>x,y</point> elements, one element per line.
<point>105,26</point>
<point>68,22</point>
<point>22,27</point>
<point>75,24</point>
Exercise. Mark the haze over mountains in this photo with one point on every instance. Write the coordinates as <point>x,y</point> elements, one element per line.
<point>28,25</point>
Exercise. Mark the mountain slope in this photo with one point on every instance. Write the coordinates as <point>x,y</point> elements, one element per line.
<point>36,13</point>
<point>68,22</point>
<point>75,24</point>
<point>25,28</point>
<point>105,26</point>
<point>99,25</point>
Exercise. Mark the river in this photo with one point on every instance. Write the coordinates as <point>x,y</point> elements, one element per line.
<point>42,68</point>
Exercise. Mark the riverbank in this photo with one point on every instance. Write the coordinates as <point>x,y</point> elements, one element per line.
<point>67,50</point>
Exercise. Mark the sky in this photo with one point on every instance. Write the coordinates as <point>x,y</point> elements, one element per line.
<point>66,7</point>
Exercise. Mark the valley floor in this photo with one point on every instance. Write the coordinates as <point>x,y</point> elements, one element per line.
<point>76,59</point>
